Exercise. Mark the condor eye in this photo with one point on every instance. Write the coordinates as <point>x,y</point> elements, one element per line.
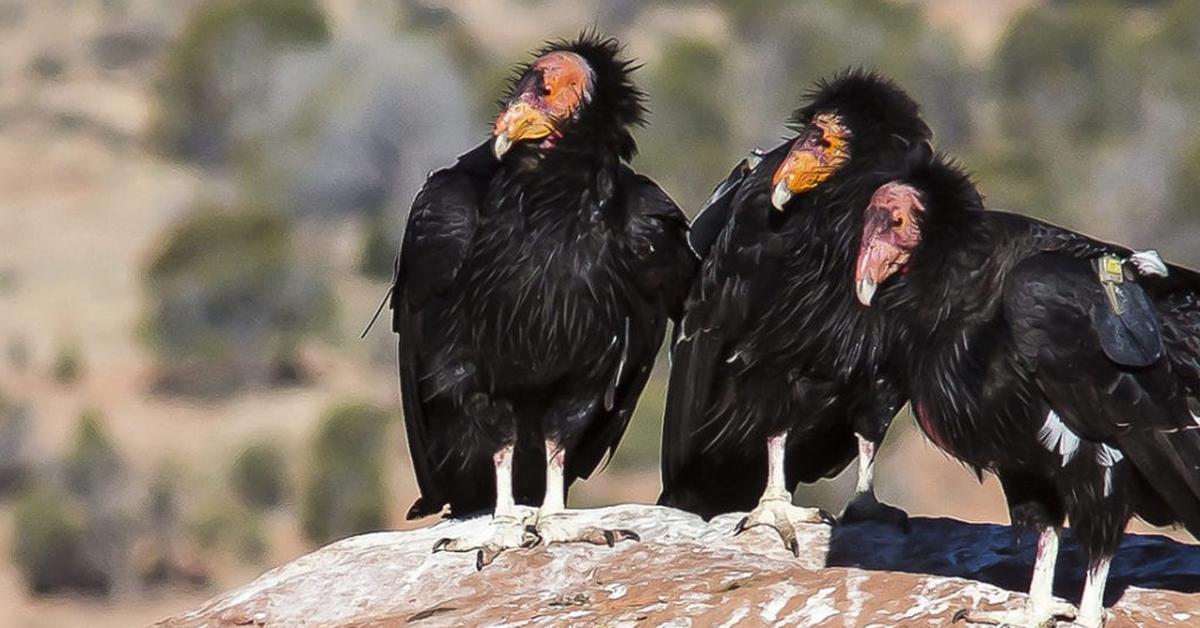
<point>897,222</point>
<point>825,143</point>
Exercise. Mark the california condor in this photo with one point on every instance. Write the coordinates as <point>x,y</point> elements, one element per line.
<point>532,292</point>
<point>1068,367</point>
<point>779,376</point>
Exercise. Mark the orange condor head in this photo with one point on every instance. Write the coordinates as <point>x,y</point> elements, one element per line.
<point>821,149</point>
<point>550,92</point>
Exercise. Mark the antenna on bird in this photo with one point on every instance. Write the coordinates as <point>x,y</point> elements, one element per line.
<point>378,311</point>
<point>387,295</point>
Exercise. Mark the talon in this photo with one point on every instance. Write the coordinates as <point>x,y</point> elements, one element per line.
<point>960,615</point>
<point>486,556</point>
<point>827,518</point>
<point>440,545</point>
<point>609,539</point>
<point>629,535</point>
<point>741,525</point>
<point>794,545</point>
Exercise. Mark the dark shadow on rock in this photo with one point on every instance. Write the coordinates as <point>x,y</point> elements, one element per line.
<point>1003,556</point>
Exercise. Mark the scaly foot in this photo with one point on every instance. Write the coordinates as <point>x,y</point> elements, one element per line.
<point>865,507</point>
<point>564,527</point>
<point>507,531</point>
<point>1018,618</point>
<point>777,512</point>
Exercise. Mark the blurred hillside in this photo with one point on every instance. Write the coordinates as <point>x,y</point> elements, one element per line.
<point>200,200</point>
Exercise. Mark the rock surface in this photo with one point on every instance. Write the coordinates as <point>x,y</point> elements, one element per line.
<point>686,572</point>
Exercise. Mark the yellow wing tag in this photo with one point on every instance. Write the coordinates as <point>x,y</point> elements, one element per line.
<point>1112,274</point>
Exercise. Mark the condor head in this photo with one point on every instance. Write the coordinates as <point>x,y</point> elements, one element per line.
<point>550,92</point>
<point>857,122</point>
<point>576,95</point>
<point>891,230</point>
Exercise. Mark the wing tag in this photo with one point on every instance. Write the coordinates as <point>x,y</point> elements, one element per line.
<point>1127,323</point>
<point>1112,275</point>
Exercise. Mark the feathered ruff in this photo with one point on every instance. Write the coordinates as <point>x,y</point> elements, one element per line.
<point>875,106</point>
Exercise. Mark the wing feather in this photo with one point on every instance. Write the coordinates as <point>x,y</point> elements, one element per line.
<point>436,245</point>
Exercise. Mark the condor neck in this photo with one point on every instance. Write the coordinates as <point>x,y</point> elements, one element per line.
<point>956,282</point>
<point>550,182</point>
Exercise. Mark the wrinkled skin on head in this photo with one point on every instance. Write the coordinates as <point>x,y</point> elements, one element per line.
<point>550,92</point>
<point>891,230</point>
<point>821,149</point>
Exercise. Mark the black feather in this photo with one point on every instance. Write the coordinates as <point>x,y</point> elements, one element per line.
<point>1008,371</point>
<point>531,297</point>
<point>773,338</point>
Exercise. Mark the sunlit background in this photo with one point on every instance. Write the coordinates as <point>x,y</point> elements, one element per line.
<point>200,202</point>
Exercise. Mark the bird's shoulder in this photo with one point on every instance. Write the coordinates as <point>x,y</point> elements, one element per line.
<point>442,224</point>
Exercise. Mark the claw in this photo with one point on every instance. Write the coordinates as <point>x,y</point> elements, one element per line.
<point>960,615</point>
<point>534,537</point>
<point>440,545</point>
<point>828,517</point>
<point>486,556</point>
<point>788,533</point>
<point>741,525</point>
<point>564,527</point>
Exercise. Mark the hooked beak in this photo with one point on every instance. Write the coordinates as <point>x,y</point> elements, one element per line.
<point>865,289</point>
<point>877,261</point>
<point>501,145</point>
<point>780,195</point>
<point>805,167</point>
<point>520,121</point>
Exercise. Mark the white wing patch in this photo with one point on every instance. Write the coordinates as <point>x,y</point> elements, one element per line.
<point>611,394</point>
<point>1057,437</point>
<point>1108,457</point>
<point>1149,263</point>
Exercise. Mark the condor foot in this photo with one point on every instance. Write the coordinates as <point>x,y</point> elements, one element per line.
<point>781,515</point>
<point>1019,618</point>
<point>506,531</point>
<point>565,527</point>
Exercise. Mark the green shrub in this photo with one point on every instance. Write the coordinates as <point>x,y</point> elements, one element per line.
<point>47,66</point>
<point>94,466</point>
<point>16,455</point>
<point>379,247</point>
<point>68,364</point>
<point>252,545</point>
<point>689,119</point>
<point>229,302</point>
<point>196,103</point>
<point>48,535</point>
<point>346,492</point>
<point>259,476</point>
<point>222,527</point>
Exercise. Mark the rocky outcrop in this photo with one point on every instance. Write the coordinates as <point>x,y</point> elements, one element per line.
<point>689,572</point>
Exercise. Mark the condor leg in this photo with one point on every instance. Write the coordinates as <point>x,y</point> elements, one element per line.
<point>775,509</point>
